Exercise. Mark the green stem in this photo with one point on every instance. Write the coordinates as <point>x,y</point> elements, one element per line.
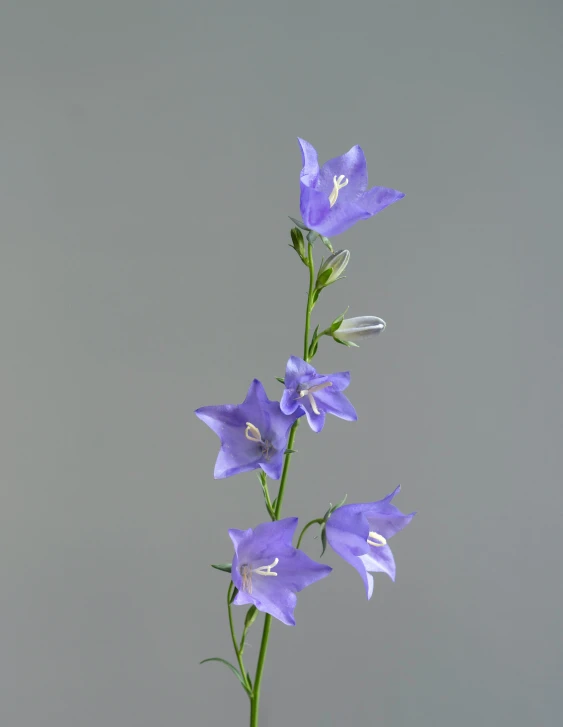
<point>234,638</point>
<point>255,694</point>
<point>267,500</point>
<point>255,699</point>
<point>309,303</point>
<point>287,460</point>
<point>312,522</point>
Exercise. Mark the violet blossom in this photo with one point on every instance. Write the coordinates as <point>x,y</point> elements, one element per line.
<point>335,196</point>
<point>268,571</point>
<point>315,394</point>
<point>253,434</point>
<point>359,534</point>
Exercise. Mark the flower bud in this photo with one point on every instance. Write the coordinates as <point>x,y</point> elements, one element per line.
<point>355,329</point>
<point>298,244</point>
<point>332,268</point>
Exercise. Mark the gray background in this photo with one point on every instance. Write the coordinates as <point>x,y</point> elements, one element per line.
<point>148,164</point>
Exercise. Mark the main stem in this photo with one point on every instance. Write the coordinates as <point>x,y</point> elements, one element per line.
<point>255,698</point>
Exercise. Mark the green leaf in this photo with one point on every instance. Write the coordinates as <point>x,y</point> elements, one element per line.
<point>282,381</point>
<point>316,294</point>
<point>338,504</point>
<point>234,594</point>
<point>226,567</point>
<point>250,616</point>
<point>231,667</point>
<point>350,344</point>
<point>326,242</point>
<point>313,349</point>
<point>299,224</point>
<point>323,540</point>
<point>335,325</point>
<point>290,451</point>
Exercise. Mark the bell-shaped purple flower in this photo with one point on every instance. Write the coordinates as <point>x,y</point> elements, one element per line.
<point>268,571</point>
<point>315,394</point>
<point>359,534</point>
<point>253,434</point>
<point>335,196</point>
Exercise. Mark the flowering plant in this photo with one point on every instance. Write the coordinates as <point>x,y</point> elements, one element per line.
<point>267,571</point>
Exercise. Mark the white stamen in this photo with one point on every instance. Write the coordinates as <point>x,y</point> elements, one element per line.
<point>246,572</point>
<point>313,403</point>
<point>373,536</point>
<point>252,433</point>
<point>339,182</point>
<point>309,394</point>
<point>266,570</point>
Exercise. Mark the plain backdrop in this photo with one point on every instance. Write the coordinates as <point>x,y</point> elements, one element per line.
<point>149,162</point>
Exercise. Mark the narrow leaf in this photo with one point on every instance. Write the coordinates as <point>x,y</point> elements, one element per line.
<point>226,567</point>
<point>282,381</point>
<point>299,224</point>
<point>338,504</point>
<point>326,242</point>
<point>250,616</point>
<point>323,540</point>
<point>231,667</point>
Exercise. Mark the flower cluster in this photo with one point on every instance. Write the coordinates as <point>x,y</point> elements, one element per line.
<point>267,571</point>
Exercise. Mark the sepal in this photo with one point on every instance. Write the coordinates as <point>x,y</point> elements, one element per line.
<point>225,567</point>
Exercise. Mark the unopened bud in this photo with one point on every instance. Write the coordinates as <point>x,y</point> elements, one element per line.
<point>332,268</point>
<point>355,329</point>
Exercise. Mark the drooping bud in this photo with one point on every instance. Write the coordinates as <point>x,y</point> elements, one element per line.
<point>356,329</point>
<point>332,268</point>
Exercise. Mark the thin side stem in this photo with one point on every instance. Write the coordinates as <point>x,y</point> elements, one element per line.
<point>312,522</point>
<point>235,643</point>
<point>309,302</point>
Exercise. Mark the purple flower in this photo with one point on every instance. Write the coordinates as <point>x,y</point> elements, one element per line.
<point>253,434</point>
<point>335,197</point>
<point>315,394</point>
<point>359,534</point>
<point>268,571</point>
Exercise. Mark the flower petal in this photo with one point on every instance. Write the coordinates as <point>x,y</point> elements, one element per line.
<point>337,219</point>
<point>310,169</point>
<point>378,198</point>
<point>297,371</point>
<point>340,380</point>
<point>355,561</point>
<point>353,166</point>
<point>385,518</point>
<point>280,604</point>
<point>289,402</point>
<point>230,463</point>
<point>314,207</point>
<point>347,531</point>
<point>380,560</point>
<point>271,536</point>
<point>336,403</point>
<point>316,421</point>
